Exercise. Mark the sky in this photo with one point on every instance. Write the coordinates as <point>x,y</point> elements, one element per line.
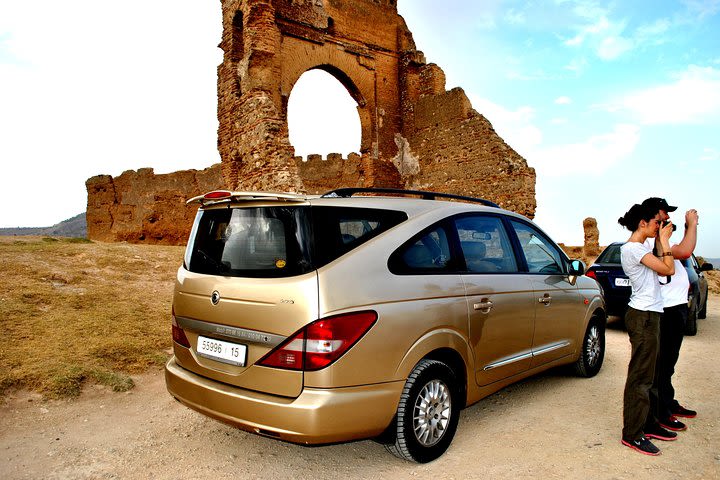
<point>610,102</point>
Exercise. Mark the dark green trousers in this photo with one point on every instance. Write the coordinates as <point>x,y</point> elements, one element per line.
<point>643,329</point>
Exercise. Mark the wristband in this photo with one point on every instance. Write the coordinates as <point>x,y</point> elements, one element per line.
<point>666,254</point>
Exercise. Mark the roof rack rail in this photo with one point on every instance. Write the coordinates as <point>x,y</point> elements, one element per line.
<point>425,195</point>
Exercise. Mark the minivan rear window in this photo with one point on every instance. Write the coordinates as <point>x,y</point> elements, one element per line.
<point>280,241</point>
<point>250,242</point>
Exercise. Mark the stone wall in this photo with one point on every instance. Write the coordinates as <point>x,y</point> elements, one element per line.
<point>414,133</point>
<point>140,206</point>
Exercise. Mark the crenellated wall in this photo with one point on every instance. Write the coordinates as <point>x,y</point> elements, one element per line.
<point>140,206</point>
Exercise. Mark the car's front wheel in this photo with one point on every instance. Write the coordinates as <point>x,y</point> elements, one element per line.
<point>428,413</point>
<point>691,325</point>
<point>703,311</point>
<point>593,349</point>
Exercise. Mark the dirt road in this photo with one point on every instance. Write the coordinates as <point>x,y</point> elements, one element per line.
<point>551,426</point>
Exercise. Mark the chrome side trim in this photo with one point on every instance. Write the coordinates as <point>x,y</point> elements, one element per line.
<point>251,336</point>
<point>507,361</point>
<point>550,348</point>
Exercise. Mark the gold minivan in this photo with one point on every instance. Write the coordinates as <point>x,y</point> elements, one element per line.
<point>319,319</point>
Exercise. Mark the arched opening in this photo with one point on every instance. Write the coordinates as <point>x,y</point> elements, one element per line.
<point>322,116</point>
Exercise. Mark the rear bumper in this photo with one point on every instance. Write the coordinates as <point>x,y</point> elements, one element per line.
<point>317,416</point>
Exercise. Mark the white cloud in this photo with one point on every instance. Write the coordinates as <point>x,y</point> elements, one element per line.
<point>710,155</point>
<point>692,98</point>
<point>703,8</point>
<point>563,100</point>
<point>613,47</point>
<point>596,153</point>
<point>514,17</point>
<point>577,65</point>
<point>654,29</point>
<point>515,127</point>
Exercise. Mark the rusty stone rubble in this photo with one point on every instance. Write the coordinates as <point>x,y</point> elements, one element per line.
<point>415,133</point>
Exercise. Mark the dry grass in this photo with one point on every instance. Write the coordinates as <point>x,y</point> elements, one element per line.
<point>77,311</point>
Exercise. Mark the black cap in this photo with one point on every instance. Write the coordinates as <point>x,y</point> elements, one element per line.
<point>659,203</point>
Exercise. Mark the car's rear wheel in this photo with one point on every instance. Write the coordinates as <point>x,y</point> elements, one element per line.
<point>593,349</point>
<point>428,413</point>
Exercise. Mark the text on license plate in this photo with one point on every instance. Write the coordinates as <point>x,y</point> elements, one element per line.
<point>226,352</point>
<point>622,282</point>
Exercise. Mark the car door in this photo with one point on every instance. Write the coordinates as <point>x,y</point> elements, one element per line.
<point>559,311</point>
<point>499,299</point>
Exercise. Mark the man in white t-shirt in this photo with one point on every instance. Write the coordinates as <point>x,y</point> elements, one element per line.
<point>672,323</point>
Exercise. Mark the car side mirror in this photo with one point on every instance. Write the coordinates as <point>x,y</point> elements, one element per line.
<point>706,266</point>
<point>577,268</point>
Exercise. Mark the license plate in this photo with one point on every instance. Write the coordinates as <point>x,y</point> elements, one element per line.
<point>226,352</point>
<point>622,282</point>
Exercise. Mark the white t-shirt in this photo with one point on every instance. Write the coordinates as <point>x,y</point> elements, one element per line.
<point>646,295</point>
<point>675,292</point>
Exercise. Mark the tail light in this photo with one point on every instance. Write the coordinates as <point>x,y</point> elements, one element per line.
<point>320,343</point>
<point>178,334</point>
<point>591,274</point>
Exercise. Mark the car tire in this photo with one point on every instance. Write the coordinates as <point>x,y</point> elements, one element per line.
<point>592,352</point>
<point>703,311</point>
<point>691,325</point>
<point>431,393</point>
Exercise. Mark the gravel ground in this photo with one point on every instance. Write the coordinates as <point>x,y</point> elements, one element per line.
<point>550,426</point>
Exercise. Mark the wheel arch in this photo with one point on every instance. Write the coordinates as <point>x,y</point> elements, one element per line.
<point>446,346</point>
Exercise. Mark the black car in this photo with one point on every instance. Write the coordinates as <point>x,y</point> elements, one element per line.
<point>608,272</point>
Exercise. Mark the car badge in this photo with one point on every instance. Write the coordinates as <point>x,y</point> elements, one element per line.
<point>215,297</point>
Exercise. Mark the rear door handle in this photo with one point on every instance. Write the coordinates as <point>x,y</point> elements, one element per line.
<point>545,299</point>
<point>484,305</point>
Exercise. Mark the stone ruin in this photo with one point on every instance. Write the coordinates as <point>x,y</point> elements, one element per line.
<point>415,133</point>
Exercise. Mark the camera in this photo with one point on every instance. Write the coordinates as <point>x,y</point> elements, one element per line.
<point>665,222</point>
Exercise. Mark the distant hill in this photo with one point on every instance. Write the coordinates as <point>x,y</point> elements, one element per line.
<point>75,227</point>
<point>715,262</point>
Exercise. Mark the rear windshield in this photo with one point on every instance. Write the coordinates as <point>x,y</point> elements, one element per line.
<point>611,254</point>
<point>280,241</point>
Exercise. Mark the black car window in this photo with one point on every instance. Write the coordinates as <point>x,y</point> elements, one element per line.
<point>279,241</point>
<point>428,252</point>
<point>540,254</point>
<point>485,244</point>
<point>611,254</point>
<point>337,230</point>
<point>249,242</point>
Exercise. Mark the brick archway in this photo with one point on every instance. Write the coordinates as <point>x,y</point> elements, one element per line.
<point>363,110</point>
<point>268,45</point>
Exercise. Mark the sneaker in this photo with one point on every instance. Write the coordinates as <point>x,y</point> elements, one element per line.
<point>673,424</point>
<point>659,433</point>
<point>643,445</point>
<point>681,411</point>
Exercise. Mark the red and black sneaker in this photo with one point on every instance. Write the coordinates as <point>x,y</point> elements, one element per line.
<point>680,411</point>
<point>659,433</point>
<point>673,424</point>
<point>642,445</point>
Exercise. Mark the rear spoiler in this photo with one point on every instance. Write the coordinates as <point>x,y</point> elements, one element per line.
<point>226,195</point>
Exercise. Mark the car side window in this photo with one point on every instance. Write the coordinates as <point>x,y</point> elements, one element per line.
<point>485,244</point>
<point>427,253</point>
<point>540,254</point>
